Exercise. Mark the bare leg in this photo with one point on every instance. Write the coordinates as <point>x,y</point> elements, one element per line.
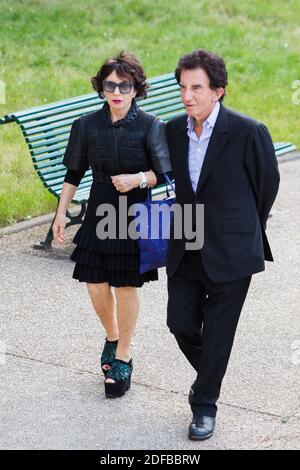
<point>127,313</point>
<point>104,305</point>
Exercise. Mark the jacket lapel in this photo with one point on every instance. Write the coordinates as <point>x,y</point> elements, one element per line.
<point>217,142</point>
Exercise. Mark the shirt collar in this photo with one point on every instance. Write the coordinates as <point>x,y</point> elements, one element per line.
<point>209,122</point>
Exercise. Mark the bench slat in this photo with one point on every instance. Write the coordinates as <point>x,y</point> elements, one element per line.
<point>50,134</point>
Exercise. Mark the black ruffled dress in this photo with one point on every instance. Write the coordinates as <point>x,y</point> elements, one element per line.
<point>135,143</point>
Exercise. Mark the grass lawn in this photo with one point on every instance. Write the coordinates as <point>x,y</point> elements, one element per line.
<point>49,49</point>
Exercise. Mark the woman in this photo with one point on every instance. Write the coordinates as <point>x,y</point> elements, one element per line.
<point>124,146</point>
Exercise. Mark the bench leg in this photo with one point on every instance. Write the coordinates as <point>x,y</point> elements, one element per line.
<point>46,244</point>
<point>74,220</point>
<point>77,218</point>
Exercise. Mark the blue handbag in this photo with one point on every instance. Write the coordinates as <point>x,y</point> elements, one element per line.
<point>153,249</point>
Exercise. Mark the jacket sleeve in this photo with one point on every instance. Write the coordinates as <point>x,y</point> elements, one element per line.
<point>262,167</point>
<point>75,157</point>
<point>158,147</point>
<point>74,177</point>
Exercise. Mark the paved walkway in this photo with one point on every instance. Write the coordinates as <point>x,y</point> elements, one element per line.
<point>52,392</point>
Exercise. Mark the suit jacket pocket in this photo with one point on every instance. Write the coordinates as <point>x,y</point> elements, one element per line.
<point>239,225</point>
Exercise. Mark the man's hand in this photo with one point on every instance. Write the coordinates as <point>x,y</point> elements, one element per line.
<point>124,183</point>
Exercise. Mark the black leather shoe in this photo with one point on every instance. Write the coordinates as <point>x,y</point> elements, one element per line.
<point>201,428</point>
<point>191,393</point>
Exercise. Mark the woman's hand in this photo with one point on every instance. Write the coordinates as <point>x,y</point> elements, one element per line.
<point>124,183</point>
<point>58,228</point>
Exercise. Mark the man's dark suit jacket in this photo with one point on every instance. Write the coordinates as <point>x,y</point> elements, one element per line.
<point>237,185</point>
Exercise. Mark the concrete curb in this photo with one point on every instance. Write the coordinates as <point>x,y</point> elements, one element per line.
<point>34,222</point>
<point>26,224</point>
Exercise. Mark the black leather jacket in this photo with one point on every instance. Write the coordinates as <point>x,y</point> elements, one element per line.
<point>135,143</point>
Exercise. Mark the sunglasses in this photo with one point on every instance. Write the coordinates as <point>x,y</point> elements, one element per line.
<point>124,87</point>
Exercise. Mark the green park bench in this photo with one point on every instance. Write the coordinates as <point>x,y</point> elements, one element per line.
<point>46,130</point>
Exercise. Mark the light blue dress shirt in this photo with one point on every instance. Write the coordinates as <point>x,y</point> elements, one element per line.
<point>198,145</point>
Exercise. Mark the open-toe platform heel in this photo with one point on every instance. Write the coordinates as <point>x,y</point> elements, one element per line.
<point>108,355</point>
<point>120,372</point>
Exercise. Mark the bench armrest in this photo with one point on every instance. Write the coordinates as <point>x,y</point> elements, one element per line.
<point>7,118</point>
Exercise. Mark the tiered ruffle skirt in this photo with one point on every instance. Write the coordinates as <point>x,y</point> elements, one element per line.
<point>112,261</point>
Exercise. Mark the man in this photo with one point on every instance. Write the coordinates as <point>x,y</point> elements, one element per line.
<point>225,161</point>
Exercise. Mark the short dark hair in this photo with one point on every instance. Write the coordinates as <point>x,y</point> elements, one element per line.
<point>212,64</point>
<point>127,66</point>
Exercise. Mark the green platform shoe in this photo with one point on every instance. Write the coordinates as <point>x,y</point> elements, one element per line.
<point>108,355</point>
<point>120,372</point>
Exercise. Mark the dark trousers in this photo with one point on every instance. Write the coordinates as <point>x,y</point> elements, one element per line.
<point>203,316</point>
